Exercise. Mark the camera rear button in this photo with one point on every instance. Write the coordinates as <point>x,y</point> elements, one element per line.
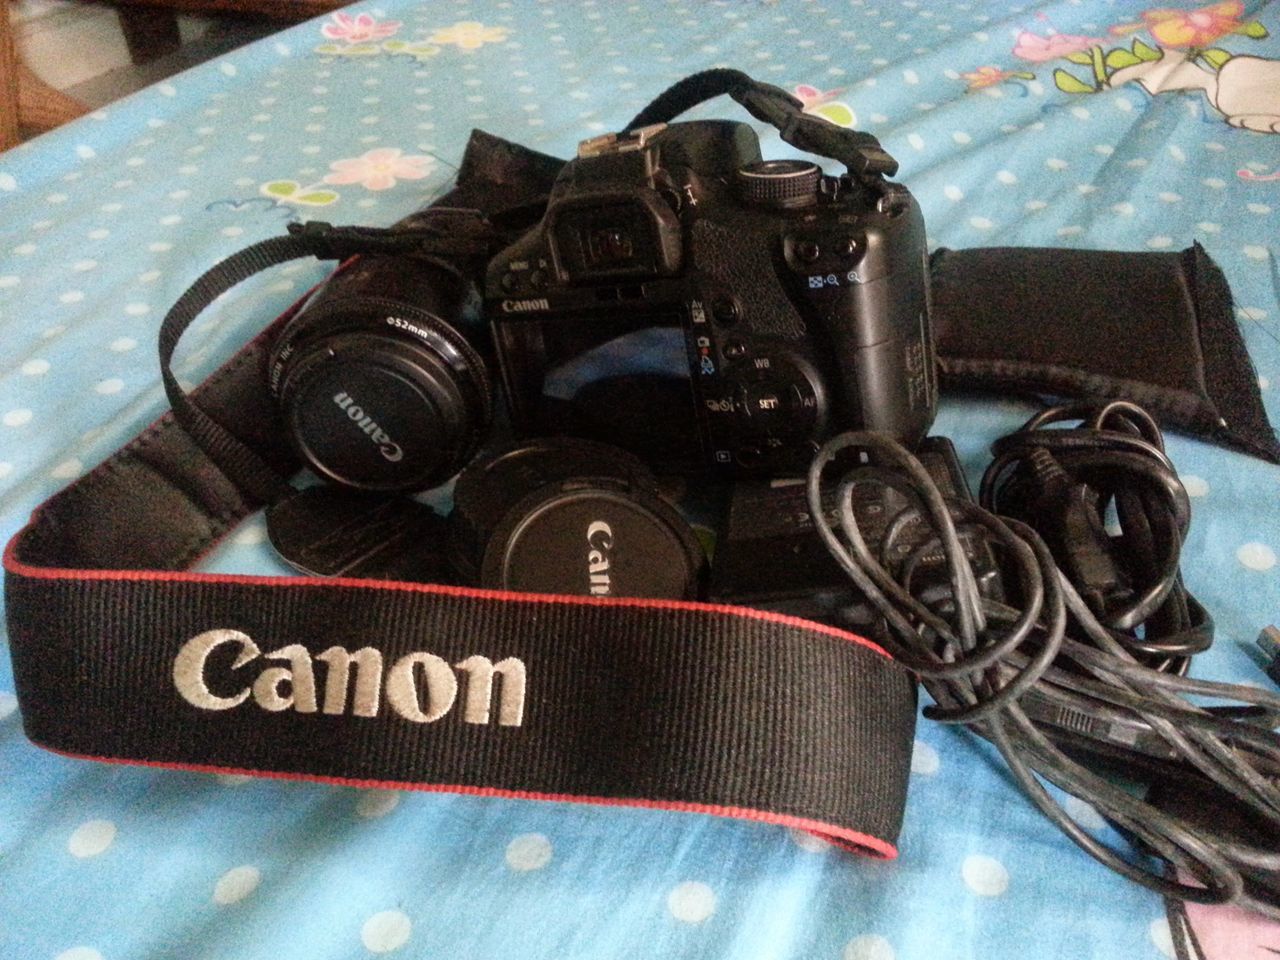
<point>734,350</point>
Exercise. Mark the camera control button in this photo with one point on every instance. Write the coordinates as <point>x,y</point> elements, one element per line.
<point>538,279</point>
<point>734,350</point>
<point>764,404</point>
<point>807,250</point>
<point>725,311</point>
<point>510,282</point>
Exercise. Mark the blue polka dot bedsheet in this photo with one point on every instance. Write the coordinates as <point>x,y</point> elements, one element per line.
<point>1091,124</point>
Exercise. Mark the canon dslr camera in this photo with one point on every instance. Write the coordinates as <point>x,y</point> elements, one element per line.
<point>713,311</point>
<point>681,298</point>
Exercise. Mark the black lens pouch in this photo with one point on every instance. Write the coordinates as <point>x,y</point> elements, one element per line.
<point>1154,328</point>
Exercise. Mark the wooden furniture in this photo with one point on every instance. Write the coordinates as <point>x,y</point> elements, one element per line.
<point>28,105</point>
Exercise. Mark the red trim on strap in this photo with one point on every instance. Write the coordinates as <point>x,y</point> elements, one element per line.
<point>13,565</point>
<point>849,839</point>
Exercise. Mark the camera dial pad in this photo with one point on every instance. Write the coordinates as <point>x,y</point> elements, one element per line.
<point>762,403</point>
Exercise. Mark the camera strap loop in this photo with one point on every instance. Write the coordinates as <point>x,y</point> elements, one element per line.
<point>859,151</point>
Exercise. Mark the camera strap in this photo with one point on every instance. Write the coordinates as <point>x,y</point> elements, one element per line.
<point>121,653</point>
<point>859,151</point>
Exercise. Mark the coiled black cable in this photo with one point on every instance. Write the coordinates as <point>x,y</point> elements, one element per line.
<point>1092,625</point>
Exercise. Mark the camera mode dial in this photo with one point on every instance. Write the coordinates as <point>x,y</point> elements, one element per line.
<point>779,183</point>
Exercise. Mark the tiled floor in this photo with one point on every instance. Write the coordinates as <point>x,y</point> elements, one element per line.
<point>79,47</point>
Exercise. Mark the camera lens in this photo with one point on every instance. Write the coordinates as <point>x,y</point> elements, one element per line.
<point>383,392</point>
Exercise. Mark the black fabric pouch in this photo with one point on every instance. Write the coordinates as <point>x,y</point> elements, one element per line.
<point>1154,328</point>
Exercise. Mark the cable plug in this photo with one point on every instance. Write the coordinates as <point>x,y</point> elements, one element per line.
<point>1064,512</point>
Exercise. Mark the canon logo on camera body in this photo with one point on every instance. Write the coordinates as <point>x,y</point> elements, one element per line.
<point>389,449</point>
<point>419,686</point>
<point>524,306</point>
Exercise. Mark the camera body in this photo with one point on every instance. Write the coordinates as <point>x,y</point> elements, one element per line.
<point>713,312</point>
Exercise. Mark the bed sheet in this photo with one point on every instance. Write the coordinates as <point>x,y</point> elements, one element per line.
<point>1081,124</point>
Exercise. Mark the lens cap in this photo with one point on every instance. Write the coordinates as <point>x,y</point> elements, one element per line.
<point>330,532</point>
<point>594,537</point>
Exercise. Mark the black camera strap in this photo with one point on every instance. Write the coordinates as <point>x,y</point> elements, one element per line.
<point>122,654</point>
<point>859,151</point>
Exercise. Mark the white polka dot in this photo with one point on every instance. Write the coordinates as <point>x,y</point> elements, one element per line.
<point>25,249</point>
<point>924,759</point>
<point>529,851</point>
<point>135,161</point>
<point>179,194</point>
<point>1195,486</point>
<point>160,247</point>
<point>1255,252</point>
<point>137,309</point>
<point>1056,163</point>
<point>1007,177</point>
<point>373,804</point>
<point>169,220</point>
<point>961,137</point>
<point>1160,242</point>
<point>151,276</point>
<point>56,330</point>
<point>981,223</point>
<point>7,183</point>
<point>1071,230</point>
<point>1209,227</point>
<point>232,231</point>
<point>234,779</point>
<point>9,280</point>
<point>1162,937</point>
<point>1034,205</point>
<point>1177,153</point>
<point>1137,163</point>
<point>71,296</point>
<point>1214,145</point>
<point>108,387</point>
<point>67,470</point>
<point>808,842</point>
<point>36,367</point>
<point>1124,105</point>
<point>79,953</point>
<point>985,876</point>
<point>91,838</point>
<point>122,344</point>
<point>911,77</point>
<point>1264,383</point>
<point>1169,197</point>
<point>386,931</point>
<point>56,198</point>
<point>1259,208</point>
<point>8,703</point>
<point>916,141</point>
<point>236,884</point>
<point>17,418</point>
<point>1256,556</point>
<point>1084,814</point>
<point>692,902</point>
<point>229,69</point>
<point>84,265</point>
<point>1086,188</point>
<point>1214,183</point>
<point>251,535</point>
<point>1080,113</point>
<point>167,90</point>
<point>953,192</point>
<point>1104,149</point>
<point>869,946</point>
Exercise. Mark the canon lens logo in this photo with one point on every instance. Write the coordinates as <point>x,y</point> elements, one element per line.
<point>389,449</point>
<point>599,546</point>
